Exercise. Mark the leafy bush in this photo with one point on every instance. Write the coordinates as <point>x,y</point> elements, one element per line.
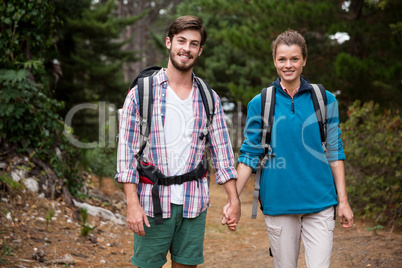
<point>372,142</point>
<point>29,118</point>
<point>7,183</point>
<point>100,160</point>
<point>27,114</point>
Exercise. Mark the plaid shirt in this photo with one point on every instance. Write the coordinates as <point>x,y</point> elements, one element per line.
<point>196,193</point>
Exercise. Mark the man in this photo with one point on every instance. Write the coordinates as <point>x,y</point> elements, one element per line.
<point>175,148</point>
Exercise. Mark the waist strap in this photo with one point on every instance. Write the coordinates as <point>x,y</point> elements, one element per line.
<point>152,175</point>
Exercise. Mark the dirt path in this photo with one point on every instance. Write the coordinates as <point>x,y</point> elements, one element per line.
<point>248,246</point>
<point>26,235</point>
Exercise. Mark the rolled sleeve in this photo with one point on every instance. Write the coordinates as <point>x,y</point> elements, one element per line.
<point>127,176</point>
<point>225,174</point>
<point>221,147</point>
<point>128,145</point>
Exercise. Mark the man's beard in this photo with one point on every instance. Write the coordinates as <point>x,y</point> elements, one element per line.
<point>181,67</point>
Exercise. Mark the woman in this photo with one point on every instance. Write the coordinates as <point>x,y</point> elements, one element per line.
<point>299,191</point>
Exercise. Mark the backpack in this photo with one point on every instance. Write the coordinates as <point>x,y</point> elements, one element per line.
<point>149,173</point>
<point>144,80</point>
<point>319,98</point>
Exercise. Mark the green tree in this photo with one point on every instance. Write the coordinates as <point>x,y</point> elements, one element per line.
<point>369,65</point>
<point>91,57</point>
<point>29,120</point>
<point>238,50</point>
<point>238,53</point>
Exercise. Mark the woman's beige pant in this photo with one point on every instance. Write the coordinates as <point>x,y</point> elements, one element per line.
<point>315,229</point>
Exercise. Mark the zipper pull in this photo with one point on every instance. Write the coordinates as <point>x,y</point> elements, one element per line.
<point>293,106</point>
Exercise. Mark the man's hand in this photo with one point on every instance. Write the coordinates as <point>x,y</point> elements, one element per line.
<point>231,215</point>
<point>231,212</point>
<point>136,218</point>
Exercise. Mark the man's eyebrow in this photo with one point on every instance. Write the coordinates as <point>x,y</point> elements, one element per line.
<point>182,37</point>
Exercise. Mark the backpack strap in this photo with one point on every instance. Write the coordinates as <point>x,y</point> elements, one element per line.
<point>267,118</point>
<point>145,95</point>
<point>149,71</point>
<point>209,104</point>
<point>319,98</point>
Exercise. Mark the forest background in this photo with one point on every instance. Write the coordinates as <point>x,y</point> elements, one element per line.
<point>65,68</point>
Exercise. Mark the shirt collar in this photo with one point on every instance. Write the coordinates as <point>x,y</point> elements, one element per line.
<point>304,84</point>
<point>288,92</point>
<point>162,78</point>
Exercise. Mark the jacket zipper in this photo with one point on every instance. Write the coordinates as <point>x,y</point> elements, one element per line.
<point>293,106</point>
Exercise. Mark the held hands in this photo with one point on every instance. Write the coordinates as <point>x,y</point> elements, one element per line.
<point>136,218</point>
<point>231,215</point>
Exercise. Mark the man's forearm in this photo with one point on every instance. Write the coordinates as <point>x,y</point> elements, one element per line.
<point>130,190</point>
<point>230,188</point>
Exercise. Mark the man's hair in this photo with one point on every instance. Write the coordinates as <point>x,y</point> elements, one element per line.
<point>290,37</point>
<point>188,23</point>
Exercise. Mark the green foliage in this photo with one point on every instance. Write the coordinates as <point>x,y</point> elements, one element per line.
<point>49,216</point>
<point>374,229</point>
<point>100,161</point>
<point>363,66</point>
<point>27,27</point>
<point>7,181</point>
<point>91,56</point>
<point>372,142</point>
<point>5,251</point>
<point>237,55</point>
<point>29,116</point>
<point>85,226</point>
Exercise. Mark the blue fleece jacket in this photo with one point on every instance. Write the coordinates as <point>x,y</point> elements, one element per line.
<point>298,180</point>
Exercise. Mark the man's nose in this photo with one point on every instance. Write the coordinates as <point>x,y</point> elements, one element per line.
<point>186,46</point>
